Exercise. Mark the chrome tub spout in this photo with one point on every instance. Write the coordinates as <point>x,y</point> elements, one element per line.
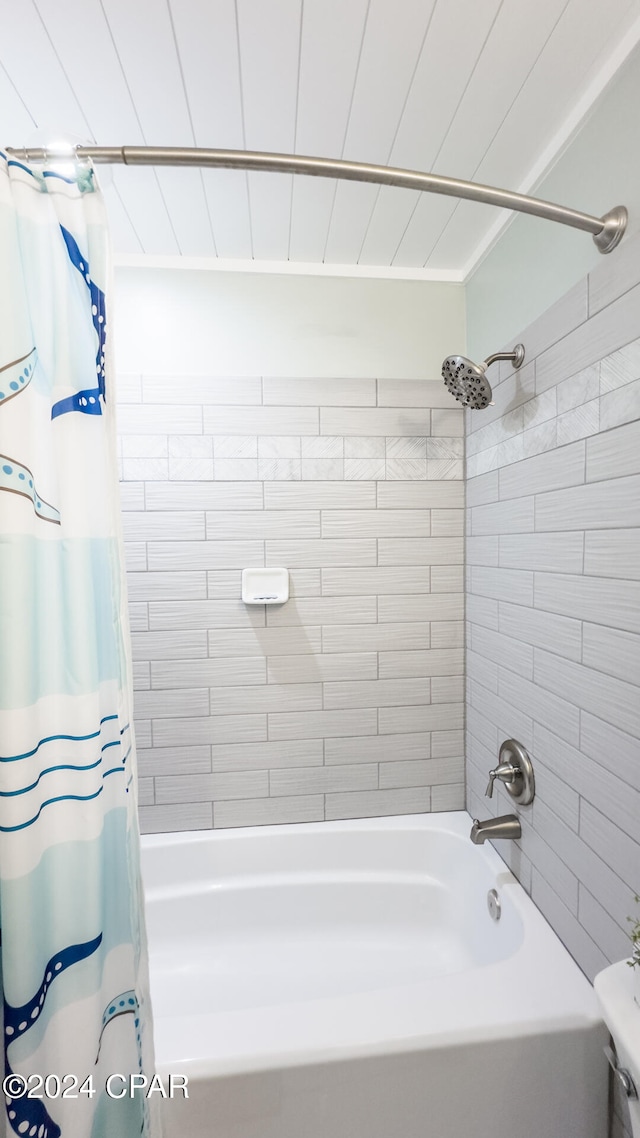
<point>506,826</point>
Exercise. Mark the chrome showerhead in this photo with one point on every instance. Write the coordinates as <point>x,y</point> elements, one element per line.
<point>467,381</point>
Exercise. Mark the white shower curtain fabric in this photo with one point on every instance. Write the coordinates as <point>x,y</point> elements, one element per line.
<point>74,963</point>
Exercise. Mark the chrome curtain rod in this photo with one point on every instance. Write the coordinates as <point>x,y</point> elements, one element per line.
<point>607,231</point>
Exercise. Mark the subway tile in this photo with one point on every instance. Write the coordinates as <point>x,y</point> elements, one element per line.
<point>610,747</point>
<point>448,797</point>
<point>448,522</point>
<point>612,651</point>
<point>615,453</point>
<point>446,634</point>
<point>596,599</point>
<point>547,861</point>
<point>551,787</point>
<point>514,516</point>
<point>213,554</point>
<point>328,666</point>
<point>146,420</point>
<point>420,551</point>
<point>323,610</point>
<point>448,422</point>
<point>171,760</point>
<point>444,447</point>
<point>498,424</point>
<point>305,582</point>
<point>482,610</point>
<point>203,496</point>
<point>482,670</point>
<point>171,702</point>
<point>553,471</point>
<point>614,275</point>
<point>537,440</point>
<point>169,645</point>
<point>437,717</point>
<point>433,662</point>
<point>620,368</point>
<point>235,470</point>
<point>612,553</point>
<point>483,730</point>
<point>609,842</point>
<point>594,783</point>
<point>602,334</point>
<point>575,938</point>
<point>447,578</point>
<point>365,446</point>
<point>184,816</point>
<point>322,446</point>
<point>182,615</point>
<point>483,489</point>
<point>513,585</point>
<point>503,650</point>
<point>414,393</point>
<point>620,406</point>
<point>606,933</point>
<point>269,811</point>
<point>209,729</point>
<point>132,496</point>
<point>541,629</point>
<point>374,580</point>
<point>603,695</point>
<point>546,707</point>
<point>401,469</point>
<point>323,780</point>
<point>427,772</point>
<point>375,523</point>
<point>261,421</point>
<point>447,689</point>
<point>190,446</point>
<point>263,641</point>
<point>279,446</point>
<point>322,724</point>
<point>315,469</point>
<point>597,505</point>
<point>223,525</point>
<point>280,469</point>
<point>201,389</point>
<point>165,586</point>
<point>143,734</point>
<point>224,584</point>
<point>421,607</point>
<point>234,446</point>
<point>188,469</point>
<point>208,672</point>
<point>376,803</point>
<point>579,388</point>
<point>196,787</point>
<point>548,552</point>
<point>375,637</point>
<point>378,748</point>
<point>420,495</point>
<point>364,469</point>
<point>376,693</point>
<point>449,468</point>
<point>447,744</point>
<point>375,421</point>
<point>483,550</point>
<point>135,554</point>
<point>174,526</point>
<point>141,675</point>
<point>266,698</point>
<point>579,422</point>
<point>321,392</point>
<point>542,409</point>
<point>322,553</point>
<point>406,447</point>
<point>509,718</point>
<point>319,496</point>
<point>266,756</point>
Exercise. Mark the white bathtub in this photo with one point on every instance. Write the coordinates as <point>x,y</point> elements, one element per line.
<point>345,980</point>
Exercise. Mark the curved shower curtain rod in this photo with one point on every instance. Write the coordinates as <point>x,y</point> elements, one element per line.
<point>607,231</point>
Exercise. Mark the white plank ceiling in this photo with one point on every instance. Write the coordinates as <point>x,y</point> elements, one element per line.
<point>478,89</point>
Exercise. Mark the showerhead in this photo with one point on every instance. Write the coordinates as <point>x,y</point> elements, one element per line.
<point>467,381</point>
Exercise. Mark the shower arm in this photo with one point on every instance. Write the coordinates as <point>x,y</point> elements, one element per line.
<point>607,231</point>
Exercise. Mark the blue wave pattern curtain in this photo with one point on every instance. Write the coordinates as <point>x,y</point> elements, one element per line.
<point>74,959</point>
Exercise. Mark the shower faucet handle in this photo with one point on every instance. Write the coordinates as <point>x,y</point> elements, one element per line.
<point>506,772</point>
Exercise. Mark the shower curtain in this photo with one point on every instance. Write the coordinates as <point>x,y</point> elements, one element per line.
<point>74,965</point>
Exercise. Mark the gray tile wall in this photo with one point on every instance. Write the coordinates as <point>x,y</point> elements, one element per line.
<point>553,607</point>
<point>347,701</point>
<point>553,610</point>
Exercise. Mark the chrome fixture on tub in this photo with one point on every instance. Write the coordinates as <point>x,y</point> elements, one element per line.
<point>467,381</point>
<point>515,771</point>
<point>506,826</point>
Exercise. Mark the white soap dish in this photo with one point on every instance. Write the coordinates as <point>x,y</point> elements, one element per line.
<point>265,586</point>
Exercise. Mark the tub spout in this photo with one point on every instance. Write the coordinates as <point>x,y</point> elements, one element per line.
<point>506,826</point>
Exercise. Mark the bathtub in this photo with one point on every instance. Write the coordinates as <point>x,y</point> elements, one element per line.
<point>346,980</point>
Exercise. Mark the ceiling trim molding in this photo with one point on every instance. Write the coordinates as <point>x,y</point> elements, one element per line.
<point>560,142</point>
<point>286,268</point>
